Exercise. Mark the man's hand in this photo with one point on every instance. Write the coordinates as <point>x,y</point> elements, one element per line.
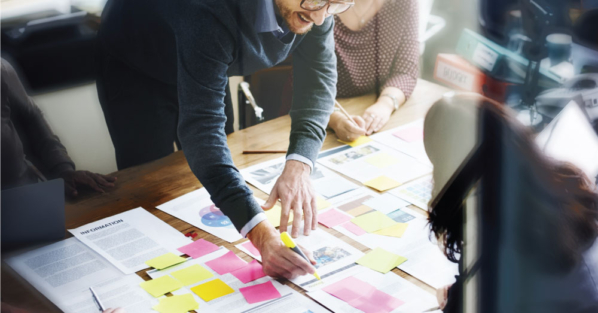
<point>296,194</point>
<point>277,259</point>
<point>77,179</point>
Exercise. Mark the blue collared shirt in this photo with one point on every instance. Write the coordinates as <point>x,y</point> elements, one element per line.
<point>266,21</point>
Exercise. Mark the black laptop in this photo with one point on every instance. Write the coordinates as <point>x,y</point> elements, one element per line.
<point>33,214</point>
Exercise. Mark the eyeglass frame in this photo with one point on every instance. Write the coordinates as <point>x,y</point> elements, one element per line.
<point>327,5</point>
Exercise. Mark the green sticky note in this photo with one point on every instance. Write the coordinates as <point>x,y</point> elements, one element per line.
<point>165,260</point>
<point>192,274</point>
<point>373,221</point>
<point>396,230</point>
<point>177,304</point>
<point>161,285</point>
<point>381,260</point>
<point>382,160</point>
<point>212,290</point>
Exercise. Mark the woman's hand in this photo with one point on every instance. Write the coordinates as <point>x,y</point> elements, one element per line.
<point>377,115</point>
<point>345,129</point>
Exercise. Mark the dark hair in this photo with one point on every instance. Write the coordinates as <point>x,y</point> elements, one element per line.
<point>570,225</point>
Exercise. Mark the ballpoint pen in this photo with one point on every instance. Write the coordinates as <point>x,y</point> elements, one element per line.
<point>97,299</point>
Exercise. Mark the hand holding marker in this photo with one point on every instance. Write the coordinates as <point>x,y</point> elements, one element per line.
<point>288,241</point>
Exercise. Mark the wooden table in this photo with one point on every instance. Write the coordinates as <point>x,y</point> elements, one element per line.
<point>154,183</point>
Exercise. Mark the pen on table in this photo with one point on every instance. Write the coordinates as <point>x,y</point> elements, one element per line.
<point>340,107</point>
<point>263,151</point>
<point>97,299</point>
<point>288,241</point>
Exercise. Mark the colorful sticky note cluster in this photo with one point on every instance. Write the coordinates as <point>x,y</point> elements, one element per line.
<point>260,292</point>
<point>410,134</point>
<point>321,203</point>
<point>373,221</point>
<point>226,263</point>
<point>198,248</point>
<point>363,296</point>
<point>251,248</point>
<point>274,214</point>
<point>382,160</point>
<point>161,286</point>
<point>177,304</point>
<point>213,289</point>
<point>249,272</point>
<point>396,230</point>
<point>357,142</point>
<point>382,183</point>
<point>356,230</point>
<point>332,218</point>
<point>381,260</point>
<point>165,260</point>
<point>192,274</point>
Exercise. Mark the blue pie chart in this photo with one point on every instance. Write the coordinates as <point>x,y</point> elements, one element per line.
<point>213,217</point>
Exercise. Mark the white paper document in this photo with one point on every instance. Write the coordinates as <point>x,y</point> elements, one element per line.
<point>418,192</point>
<point>197,209</point>
<point>372,160</point>
<point>64,271</point>
<point>326,183</point>
<point>414,298</point>
<point>130,238</point>
<point>414,148</point>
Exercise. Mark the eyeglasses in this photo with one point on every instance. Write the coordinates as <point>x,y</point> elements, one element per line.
<point>334,6</point>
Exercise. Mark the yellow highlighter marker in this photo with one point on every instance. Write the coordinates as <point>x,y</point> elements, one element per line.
<point>288,241</point>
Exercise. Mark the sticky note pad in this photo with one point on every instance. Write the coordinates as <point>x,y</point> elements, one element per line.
<point>360,210</point>
<point>357,142</point>
<point>165,260</point>
<point>382,183</point>
<point>332,218</point>
<point>260,292</point>
<point>321,203</point>
<point>382,160</point>
<point>212,290</point>
<point>161,285</point>
<point>192,274</point>
<point>376,301</point>
<point>198,248</point>
<point>373,221</point>
<point>386,203</point>
<point>410,134</point>
<point>356,230</point>
<point>251,248</point>
<point>177,304</point>
<point>349,288</point>
<point>381,260</point>
<point>249,272</point>
<point>274,215</point>
<point>226,263</point>
<point>396,230</point>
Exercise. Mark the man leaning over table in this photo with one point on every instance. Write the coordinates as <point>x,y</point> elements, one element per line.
<point>163,63</point>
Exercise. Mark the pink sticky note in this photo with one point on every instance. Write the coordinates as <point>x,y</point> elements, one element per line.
<point>251,248</point>
<point>358,231</point>
<point>260,292</point>
<point>226,263</point>
<point>349,288</point>
<point>333,217</point>
<point>198,248</point>
<point>410,134</point>
<point>375,301</point>
<point>249,272</point>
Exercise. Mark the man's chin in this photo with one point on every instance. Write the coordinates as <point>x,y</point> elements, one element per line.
<point>301,30</point>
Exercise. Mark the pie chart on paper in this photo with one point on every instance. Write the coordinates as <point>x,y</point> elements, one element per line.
<point>213,217</point>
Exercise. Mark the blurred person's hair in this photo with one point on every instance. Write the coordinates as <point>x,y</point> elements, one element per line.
<point>564,220</point>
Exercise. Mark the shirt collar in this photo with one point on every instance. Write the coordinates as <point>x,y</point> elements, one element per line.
<point>266,17</point>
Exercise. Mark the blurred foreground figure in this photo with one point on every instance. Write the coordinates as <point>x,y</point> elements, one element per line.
<point>522,226</point>
<point>30,150</point>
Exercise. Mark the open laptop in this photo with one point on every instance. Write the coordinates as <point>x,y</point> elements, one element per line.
<point>33,214</point>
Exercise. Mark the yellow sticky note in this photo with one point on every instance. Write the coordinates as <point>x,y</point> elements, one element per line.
<point>382,183</point>
<point>396,230</point>
<point>321,203</point>
<point>192,274</point>
<point>382,160</point>
<point>161,285</point>
<point>212,290</point>
<point>373,221</point>
<point>177,304</point>
<point>360,210</point>
<point>357,142</point>
<point>165,260</point>
<point>381,260</point>
<point>274,215</point>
